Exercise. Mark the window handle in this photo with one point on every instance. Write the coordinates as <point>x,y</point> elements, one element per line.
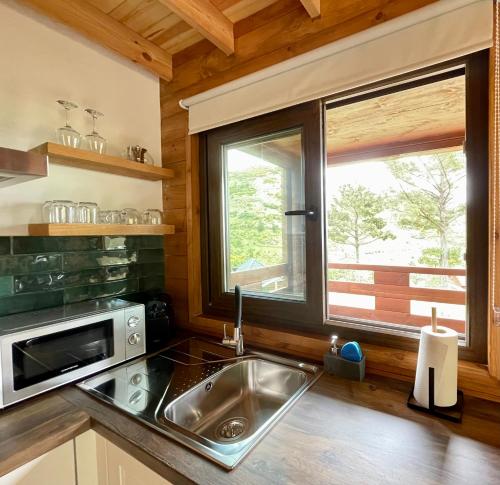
<point>310,213</point>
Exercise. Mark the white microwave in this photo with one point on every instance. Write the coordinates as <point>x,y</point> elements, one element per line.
<point>45,349</point>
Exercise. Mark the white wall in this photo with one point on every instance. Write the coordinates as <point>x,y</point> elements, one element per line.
<point>42,61</point>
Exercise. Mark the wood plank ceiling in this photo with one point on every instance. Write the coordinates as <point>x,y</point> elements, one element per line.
<point>419,119</point>
<point>149,32</point>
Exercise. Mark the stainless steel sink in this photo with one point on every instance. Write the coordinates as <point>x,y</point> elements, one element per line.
<point>236,403</point>
<point>198,393</point>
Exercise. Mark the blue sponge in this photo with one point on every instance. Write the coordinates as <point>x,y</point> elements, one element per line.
<point>351,351</point>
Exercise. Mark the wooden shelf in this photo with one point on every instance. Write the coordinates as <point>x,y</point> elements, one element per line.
<point>99,230</point>
<point>75,157</point>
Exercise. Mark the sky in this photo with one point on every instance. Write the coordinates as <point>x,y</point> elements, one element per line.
<point>375,176</point>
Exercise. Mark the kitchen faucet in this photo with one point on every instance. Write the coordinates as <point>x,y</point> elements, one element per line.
<point>237,340</point>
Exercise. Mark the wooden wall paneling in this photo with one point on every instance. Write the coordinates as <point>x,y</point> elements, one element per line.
<point>174,131</point>
<point>193,225</point>
<point>177,218</point>
<point>176,282</point>
<point>176,245</point>
<point>173,150</point>
<point>177,288</point>
<point>174,197</point>
<point>175,127</point>
<point>103,29</point>
<point>179,169</point>
<point>494,276</point>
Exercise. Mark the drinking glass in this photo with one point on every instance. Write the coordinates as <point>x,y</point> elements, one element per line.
<point>104,217</point>
<point>96,143</point>
<point>110,217</point>
<point>67,135</point>
<point>130,216</point>
<point>47,211</point>
<point>115,217</point>
<point>152,216</point>
<point>87,212</point>
<point>63,212</point>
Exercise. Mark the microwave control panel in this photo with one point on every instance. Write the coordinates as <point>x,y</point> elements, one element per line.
<point>135,328</point>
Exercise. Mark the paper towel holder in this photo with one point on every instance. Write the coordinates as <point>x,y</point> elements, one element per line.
<point>450,413</point>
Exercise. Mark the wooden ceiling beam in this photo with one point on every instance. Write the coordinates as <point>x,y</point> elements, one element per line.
<point>312,7</point>
<point>103,29</point>
<point>207,19</point>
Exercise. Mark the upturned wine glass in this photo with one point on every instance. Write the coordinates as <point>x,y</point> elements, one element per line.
<point>96,143</point>
<point>67,135</point>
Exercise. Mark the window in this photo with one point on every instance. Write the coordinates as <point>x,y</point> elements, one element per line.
<point>260,176</point>
<point>365,235</point>
<point>397,235</point>
<point>265,249</point>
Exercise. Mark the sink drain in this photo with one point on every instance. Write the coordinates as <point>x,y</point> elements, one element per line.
<point>231,429</point>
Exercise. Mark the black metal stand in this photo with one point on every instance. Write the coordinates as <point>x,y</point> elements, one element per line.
<point>451,413</point>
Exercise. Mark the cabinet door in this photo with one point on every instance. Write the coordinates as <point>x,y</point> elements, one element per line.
<point>100,462</point>
<point>57,467</point>
<point>124,469</point>
<point>91,466</point>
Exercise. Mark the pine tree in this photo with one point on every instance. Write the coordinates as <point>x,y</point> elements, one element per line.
<point>355,218</point>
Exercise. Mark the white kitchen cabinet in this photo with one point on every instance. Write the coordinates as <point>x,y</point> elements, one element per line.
<point>57,467</point>
<point>124,469</point>
<point>89,459</point>
<point>100,462</point>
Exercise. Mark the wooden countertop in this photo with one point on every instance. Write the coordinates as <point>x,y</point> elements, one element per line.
<point>338,432</point>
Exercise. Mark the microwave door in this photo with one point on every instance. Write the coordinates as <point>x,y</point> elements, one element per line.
<point>29,362</point>
<point>61,356</point>
<point>88,351</point>
<point>40,358</point>
<point>37,359</point>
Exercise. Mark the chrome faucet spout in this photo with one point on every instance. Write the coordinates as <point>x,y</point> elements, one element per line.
<point>240,347</point>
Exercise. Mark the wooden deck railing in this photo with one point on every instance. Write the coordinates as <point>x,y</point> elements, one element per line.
<point>253,278</point>
<point>390,289</point>
<point>393,294</point>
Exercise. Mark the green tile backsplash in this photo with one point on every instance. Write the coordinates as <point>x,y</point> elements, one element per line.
<point>40,272</point>
<point>33,301</point>
<point>79,293</point>
<point>4,245</point>
<point>6,284</point>
<point>41,263</point>
<point>97,259</point>
<point>33,245</point>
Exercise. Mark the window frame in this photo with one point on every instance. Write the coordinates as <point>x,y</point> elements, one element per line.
<point>272,314</point>
<point>215,300</point>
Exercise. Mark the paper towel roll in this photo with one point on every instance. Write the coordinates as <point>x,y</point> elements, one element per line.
<point>438,350</point>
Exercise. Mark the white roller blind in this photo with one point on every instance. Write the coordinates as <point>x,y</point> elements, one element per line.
<point>438,32</point>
